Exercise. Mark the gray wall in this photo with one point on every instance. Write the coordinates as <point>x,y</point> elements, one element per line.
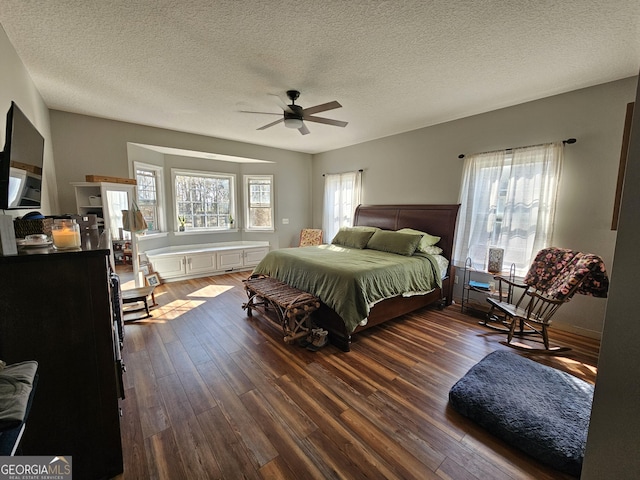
<point>613,444</point>
<point>422,166</point>
<point>89,145</point>
<point>16,85</point>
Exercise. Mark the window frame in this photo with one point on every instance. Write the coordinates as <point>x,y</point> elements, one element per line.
<point>247,179</point>
<point>232,177</point>
<point>158,171</point>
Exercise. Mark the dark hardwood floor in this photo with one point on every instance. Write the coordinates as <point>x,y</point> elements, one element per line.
<point>211,393</point>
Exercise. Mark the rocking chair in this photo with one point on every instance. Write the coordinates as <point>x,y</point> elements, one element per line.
<point>555,276</point>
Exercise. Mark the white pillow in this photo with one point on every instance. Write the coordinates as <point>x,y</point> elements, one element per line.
<point>432,250</point>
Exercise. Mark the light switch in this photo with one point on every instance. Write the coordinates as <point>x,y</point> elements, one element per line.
<point>285,221</point>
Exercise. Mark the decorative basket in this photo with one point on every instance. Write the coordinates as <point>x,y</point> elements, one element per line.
<point>32,226</point>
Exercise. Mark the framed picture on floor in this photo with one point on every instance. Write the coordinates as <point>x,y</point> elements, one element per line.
<point>153,280</point>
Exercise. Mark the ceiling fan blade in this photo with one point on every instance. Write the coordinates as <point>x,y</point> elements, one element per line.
<point>271,124</point>
<point>264,113</point>
<point>321,108</point>
<point>327,121</point>
<point>282,104</point>
<point>304,130</point>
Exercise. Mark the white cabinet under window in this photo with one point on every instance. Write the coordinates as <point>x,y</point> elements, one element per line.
<point>253,256</point>
<point>169,266</point>
<point>191,261</point>
<point>233,259</point>
<point>200,263</point>
<point>181,265</point>
<point>230,259</point>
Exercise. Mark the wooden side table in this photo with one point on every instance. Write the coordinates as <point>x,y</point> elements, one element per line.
<point>136,295</point>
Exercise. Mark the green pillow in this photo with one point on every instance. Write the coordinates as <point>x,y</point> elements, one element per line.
<point>349,237</point>
<point>426,241</point>
<point>394,242</point>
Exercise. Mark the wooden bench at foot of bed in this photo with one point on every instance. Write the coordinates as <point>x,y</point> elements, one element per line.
<point>293,307</point>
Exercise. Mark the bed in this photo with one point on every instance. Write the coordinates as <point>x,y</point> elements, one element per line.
<point>380,302</point>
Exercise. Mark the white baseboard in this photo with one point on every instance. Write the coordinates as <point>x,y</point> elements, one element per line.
<point>565,327</point>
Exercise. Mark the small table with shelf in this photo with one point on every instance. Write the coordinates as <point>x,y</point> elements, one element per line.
<point>136,295</point>
<point>488,289</point>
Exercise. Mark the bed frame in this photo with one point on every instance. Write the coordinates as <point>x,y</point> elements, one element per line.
<point>439,220</point>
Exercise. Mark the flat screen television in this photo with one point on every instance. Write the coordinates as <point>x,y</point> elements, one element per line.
<point>21,163</point>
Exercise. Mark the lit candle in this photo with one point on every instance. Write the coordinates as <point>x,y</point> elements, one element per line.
<point>66,235</point>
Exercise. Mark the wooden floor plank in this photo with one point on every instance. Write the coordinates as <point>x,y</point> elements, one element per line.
<point>228,451</point>
<point>135,463</point>
<point>212,393</point>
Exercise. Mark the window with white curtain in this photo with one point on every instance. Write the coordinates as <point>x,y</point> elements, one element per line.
<point>341,197</point>
<point>508,201</point>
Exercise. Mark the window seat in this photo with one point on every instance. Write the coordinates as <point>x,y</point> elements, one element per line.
<point>180,262</point>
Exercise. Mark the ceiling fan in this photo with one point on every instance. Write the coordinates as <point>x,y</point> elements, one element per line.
<point>294,114</point>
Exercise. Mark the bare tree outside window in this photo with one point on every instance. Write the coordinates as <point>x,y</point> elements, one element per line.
<point>204,201</point>
<point>147,188</point>
<point>259,192</point>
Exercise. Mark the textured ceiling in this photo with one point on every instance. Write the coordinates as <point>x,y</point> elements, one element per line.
<point>398,65</point>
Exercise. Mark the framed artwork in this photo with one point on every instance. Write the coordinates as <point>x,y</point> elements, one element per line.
<point>145,269</point>
<point>494,265</point>
<point>626,134</point>
<point>152,279</point>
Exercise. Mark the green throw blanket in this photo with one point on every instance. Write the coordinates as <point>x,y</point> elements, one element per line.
<point>349,280</point>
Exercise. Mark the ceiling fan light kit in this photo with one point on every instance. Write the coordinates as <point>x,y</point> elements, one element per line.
<point>293,115</point>
<point>293,123</point>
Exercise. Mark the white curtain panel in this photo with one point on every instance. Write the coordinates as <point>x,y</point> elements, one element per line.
<point>342,192</point>
<point>508,201</point>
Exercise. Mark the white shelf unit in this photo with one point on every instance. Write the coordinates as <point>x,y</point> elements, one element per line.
<point>107,200</point>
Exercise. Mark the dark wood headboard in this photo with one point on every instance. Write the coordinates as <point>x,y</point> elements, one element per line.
<point>439,220</point>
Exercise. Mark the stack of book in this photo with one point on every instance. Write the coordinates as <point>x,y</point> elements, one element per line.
<point>479,285</point>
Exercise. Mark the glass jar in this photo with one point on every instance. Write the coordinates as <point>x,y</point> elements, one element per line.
<point>66,234</point>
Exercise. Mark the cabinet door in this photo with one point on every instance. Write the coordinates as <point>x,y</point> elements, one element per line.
<point>201,263</point>
<point>230,259</point>
<point>170,266</point>
<point>253,256</point>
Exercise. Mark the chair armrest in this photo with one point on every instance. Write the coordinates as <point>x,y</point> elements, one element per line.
<point>509,282</point>
<point>510,288</point>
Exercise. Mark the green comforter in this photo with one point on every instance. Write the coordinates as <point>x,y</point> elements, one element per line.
<point>349,280</point>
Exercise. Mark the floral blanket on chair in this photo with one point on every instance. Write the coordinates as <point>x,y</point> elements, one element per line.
<point>560,272</point>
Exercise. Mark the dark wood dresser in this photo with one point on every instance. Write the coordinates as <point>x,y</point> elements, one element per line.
<point>56,308</point>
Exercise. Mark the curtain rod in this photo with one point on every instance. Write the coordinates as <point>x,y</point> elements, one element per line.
<point>361,170</point>
<point>568,140</point>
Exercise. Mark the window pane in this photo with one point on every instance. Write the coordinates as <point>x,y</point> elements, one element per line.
<point>204,201</point>
<point>259,202</point>
<point>148,197</point>
<point>260,217</point>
